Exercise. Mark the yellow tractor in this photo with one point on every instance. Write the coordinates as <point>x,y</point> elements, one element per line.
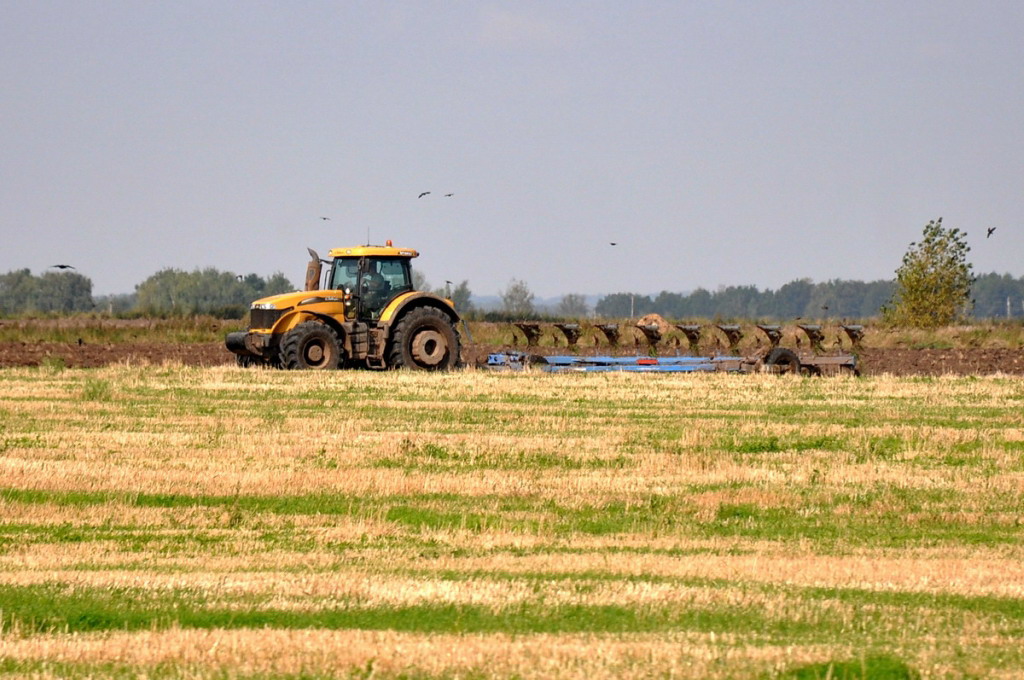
<point>366,315</point>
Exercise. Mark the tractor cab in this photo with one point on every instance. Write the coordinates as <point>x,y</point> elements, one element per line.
<point>370,281</point>
<point>369,277</point>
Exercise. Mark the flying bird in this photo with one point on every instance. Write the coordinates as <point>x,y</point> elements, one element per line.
<point>325,218</point>
<point>990,230</point>
<point>613,243</point>
<point>423,194</point>
<point>61,266</point>
<point>448,195</point>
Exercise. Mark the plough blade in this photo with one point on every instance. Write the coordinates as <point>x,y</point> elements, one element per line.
<point>814,334</point>
<point>611,331</point>
<point>571,331</point>
<point>733,334</point>
<point>855,332</point>
<point>531,330</point>
<point>692,333</point>
<point>651,332</point>
<point>774,334</point>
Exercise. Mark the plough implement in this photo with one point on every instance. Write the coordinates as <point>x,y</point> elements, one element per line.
<point>807,359</point>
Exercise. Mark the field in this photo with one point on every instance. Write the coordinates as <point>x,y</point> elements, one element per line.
<point>86,341</point>
<point>167,521</point>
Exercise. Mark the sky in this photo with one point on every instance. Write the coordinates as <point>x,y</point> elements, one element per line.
<point>717,143</point>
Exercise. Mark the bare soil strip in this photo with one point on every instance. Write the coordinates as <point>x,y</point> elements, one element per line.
<point>874,361</point>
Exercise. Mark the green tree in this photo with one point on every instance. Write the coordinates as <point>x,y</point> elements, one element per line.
<point>621,305</point>
<point>116,303</point>
<point>792,299</point>
<point>991,291</point>
<point>611,306</point>
<point>461,295</point>
<point>51,292</point>
<point>17,291</point>
<point>573,306</point>
<point>278,283</point>
<point>933,285</point>
<point>64,292</point>
<point>419,280</point>
<point>517,299</point>
<point>207,291</point>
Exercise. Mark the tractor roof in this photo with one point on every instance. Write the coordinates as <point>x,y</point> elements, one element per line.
<point>373,251</point>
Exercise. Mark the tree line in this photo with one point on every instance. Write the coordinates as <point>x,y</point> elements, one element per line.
<point>172,292</point>
<point>169,292</point>
<point>50,292</point>
<point>801,298</point>
<point>836,299</point>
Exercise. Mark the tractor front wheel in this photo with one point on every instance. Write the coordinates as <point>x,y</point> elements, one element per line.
<point>311,345</point>
<point>425,339</point>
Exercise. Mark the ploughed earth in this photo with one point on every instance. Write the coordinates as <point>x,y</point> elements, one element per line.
<point>873,361</point>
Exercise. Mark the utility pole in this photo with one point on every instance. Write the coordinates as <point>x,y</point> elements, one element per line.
<point>1009,310</point>
<point>631,296</point>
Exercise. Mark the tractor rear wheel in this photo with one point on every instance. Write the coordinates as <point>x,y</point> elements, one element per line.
<point>782,360</point>
<point>311,345</point>
<point>425,339</point>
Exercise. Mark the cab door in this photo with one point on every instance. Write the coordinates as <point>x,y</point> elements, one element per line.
<point>380,280</point>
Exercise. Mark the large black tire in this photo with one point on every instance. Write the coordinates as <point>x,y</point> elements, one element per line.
<point>425,339</point>
<point>782,360</point>
<point>311,345</point>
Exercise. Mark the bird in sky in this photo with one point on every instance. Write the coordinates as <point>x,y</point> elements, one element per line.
<point>325,218</point>
<point>613,243</point>
<point>824,308</point>
<point>423,194</point>
<point>990,230</point>
<point>448,195</point>
<point>61,266</point>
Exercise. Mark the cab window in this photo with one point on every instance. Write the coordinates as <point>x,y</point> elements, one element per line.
<point>396,274</point>
<point>345,274</point>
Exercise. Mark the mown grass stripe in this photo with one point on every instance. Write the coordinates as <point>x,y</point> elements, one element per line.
<point>814,520</point>
<point>53,608</point>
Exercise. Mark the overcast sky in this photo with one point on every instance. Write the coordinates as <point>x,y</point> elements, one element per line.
<point>716,142</point>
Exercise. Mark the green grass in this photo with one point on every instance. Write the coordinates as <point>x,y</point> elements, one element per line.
<point>814,520</point>
<point>52,608</point>
<point>873,667</point>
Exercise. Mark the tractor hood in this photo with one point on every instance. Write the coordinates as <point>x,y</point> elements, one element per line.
<point>299,297</point>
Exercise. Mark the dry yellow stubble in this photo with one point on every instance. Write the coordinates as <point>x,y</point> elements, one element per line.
<point>569,657</point>
<point>578,441</point>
